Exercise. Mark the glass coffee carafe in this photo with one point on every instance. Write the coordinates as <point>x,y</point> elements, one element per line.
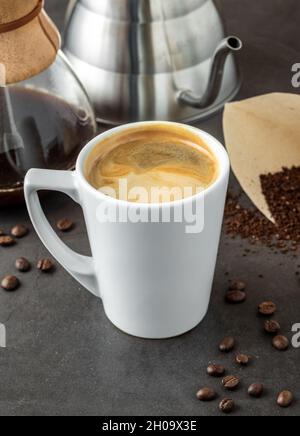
<point>44,122</point>
<point>45,114</point>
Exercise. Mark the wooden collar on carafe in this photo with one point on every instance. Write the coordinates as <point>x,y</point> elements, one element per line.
<point>16,24</point>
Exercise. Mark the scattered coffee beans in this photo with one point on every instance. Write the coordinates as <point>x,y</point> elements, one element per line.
<point>285,399</point>
<point>227,345</point>
<point>267,308</point>
<point>227,405</point>
<point>272,326</point>
<point>256,390</point>
<point>230,382</point>
<point>237,286</point>
<point>22,264</point>
<point>236,297</point>
<point>19,231</point>
<point>206,394</point>
<point>45,265</point>
<point>6,241</point>
<point>242,359</point>
<point>10,283</point>
<point>215,370</point>
<point>281,343</point>
<point>65,225</point>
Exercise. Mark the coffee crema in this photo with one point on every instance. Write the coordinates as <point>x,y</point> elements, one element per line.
<point>152,164</point>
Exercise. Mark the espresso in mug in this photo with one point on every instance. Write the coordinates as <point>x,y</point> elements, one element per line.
<point>153,164</point>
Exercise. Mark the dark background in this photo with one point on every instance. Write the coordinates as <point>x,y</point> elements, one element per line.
<point>63,356</point>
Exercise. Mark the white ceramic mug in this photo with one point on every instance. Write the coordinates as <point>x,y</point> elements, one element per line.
<point>155,279</point>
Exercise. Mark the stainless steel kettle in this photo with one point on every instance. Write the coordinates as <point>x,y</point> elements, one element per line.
<point>152,59</point>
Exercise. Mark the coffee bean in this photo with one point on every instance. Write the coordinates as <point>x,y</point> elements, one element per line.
<point>65,225</point>
<point>267,308</point>
<point>10,283</point>
<point>272,326</point>
<point>281,343</point>
<point>19,231</point>
<point>22,264</point>
<point>285,399</point>
<point>237,286</point>
<point>45,265</point>
<point>236,297</point>
<point>6,241</point>
<point>215,370</point>
<point>256,390</point>
<point>227,405</point>
<point>206,394</point>
<point>227,345</point>
<point>230,382</point>
<point>82,115</point>
<point>242,359</point>
<point>2,232</point>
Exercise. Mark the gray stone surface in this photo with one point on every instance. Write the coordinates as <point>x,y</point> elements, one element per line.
<point>63,356</point>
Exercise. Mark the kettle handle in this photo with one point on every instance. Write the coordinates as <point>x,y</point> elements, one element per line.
<point>70,9</point>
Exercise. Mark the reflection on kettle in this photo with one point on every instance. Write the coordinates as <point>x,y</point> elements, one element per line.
<point>152,59</point>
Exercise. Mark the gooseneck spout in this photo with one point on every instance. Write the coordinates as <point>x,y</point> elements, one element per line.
<point>228,45</point>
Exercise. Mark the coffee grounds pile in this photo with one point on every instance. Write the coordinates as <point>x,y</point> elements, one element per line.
<point>282,193</point>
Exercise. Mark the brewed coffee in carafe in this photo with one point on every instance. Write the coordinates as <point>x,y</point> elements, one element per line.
<point>43,131</point>
<point>45,114</point>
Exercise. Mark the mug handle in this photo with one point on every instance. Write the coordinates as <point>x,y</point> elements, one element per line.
<point>79,266</point>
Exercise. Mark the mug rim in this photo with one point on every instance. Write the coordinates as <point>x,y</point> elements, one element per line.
<point>213,144</point>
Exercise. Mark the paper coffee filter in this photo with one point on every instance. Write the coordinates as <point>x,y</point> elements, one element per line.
<point>262,135</point>
<point>29,40</point>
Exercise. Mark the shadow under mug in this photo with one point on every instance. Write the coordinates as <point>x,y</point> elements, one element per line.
<point>154,278</point>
